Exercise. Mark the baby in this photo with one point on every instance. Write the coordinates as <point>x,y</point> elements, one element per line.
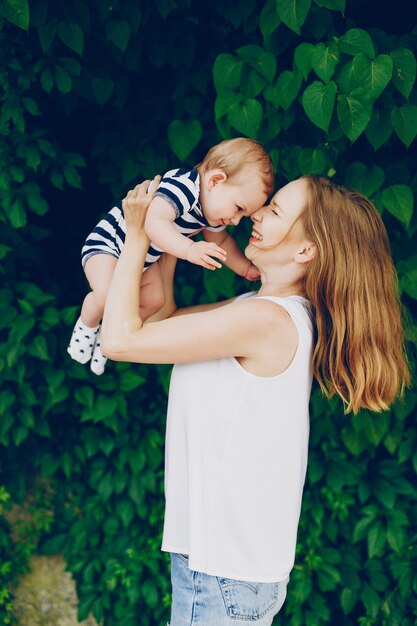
<point>233,180</point>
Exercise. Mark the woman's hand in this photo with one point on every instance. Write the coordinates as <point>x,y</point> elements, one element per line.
<point>136,203</point>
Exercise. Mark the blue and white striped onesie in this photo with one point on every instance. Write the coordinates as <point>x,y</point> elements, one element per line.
<point>181,188</point>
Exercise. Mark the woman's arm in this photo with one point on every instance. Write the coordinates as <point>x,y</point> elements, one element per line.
<point>243,329</point>
<point>239,329</point>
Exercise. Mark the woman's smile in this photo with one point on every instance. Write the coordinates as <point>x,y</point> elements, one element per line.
<point>255,235</point>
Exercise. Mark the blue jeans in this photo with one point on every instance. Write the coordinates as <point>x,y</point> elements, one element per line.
<point>202,600</point>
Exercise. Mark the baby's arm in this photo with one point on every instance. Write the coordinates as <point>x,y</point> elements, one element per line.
<point>160,229</point>
<point>236,260</point>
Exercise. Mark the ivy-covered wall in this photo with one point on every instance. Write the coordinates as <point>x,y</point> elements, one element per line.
<point>95,96</point>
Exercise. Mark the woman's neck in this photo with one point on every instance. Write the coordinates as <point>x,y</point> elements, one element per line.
<point>282,284</point>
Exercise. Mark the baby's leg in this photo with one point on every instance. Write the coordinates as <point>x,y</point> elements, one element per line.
<point>152,295</point>
<point>98,269</point>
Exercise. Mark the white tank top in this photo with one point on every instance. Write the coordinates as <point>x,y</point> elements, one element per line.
<point>235,461</point>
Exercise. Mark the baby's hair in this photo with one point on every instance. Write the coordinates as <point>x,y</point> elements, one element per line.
<point>234,155</point>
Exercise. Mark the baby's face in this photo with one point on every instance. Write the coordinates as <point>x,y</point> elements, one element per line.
<point>227,203</point>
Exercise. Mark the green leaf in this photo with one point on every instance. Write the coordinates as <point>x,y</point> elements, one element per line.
<point>227,71</point>
<point>38,204</point>
<point>17,214</point>
<point>39,349</point>
<point>85,396</point>
<point>302,58</point>
<point>324,60</point>
<point>72,36</point>
<point>183,137</point>
<point>395,536</point>
<point>269,20</point>
<point>318,22</point>
<point>376,540</point>
<point>404,72</point>
<point>62,79</point>
<point>125,511</point>
<point>379,129</point>
<point>164,7</point>
<point>348,600</point>
<point>286,89</point>
<point>7,399</point>
<point>104,407</point>
<point>371,600</point>
<point>354,112</point>
<point>71,65</point>
<point>399,201</point>
<point>312,161</point>
<point>46,34</point>
<point>225,100</point>
<point>365,180</point>
<point>131,380</point>
<point>20,434</point>
<point>105,486</point>
<point>47,80</point>
<point>408,282</point>
<point>150,593</point>
<point>357,40</point>
<point>262,61</point>
<point>21,327</point>
<point>102,89</point>
<point>246,117</point>
<point>85,605</point>
<point>354,442</point>
<point>375,426</point>
<point>345,79</point>
<point>118,32</point>
<point>318,102</point>
<point>27,417</point>
<point>54,545</point>
<point>372,75</point>
<point>16,12</point>
<point>333,5</point>
<point>4,250</point>
<point>111,526</point>
<point>404,121</point>
<point>137,461</point>
<point>251,86</point>
<point>293,13</point>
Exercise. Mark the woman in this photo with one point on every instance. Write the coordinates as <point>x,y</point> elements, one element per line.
<point>237,429</point>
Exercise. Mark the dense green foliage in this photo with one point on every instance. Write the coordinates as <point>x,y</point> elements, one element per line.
<point>96,96</point>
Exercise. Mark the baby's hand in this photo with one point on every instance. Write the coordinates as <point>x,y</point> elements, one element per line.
<point>201,253</point>
<point>252,273</point>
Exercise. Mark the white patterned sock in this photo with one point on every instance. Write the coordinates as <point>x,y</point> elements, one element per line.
<point>82,342</point>
<point>98,361</point>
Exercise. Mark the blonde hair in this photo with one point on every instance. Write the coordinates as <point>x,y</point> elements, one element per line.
<point>233,155</point>
<point>352,283</point>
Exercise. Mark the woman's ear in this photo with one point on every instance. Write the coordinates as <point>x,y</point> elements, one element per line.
<point>306,252</point>
<point>215,177</point>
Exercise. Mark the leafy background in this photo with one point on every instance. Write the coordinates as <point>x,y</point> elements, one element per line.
<point>97,95</point>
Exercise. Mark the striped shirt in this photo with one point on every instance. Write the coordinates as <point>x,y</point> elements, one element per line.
<point>181,189</point>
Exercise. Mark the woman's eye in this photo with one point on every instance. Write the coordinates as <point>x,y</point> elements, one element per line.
<point>273,211</point>
<point>239,208</point>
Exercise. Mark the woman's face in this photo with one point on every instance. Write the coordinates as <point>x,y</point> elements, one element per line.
<point>276,223</point>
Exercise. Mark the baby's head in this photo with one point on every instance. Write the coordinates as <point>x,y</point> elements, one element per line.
<point>236,179</point>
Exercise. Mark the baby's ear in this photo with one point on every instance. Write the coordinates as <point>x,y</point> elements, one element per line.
<point>216,177</point>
